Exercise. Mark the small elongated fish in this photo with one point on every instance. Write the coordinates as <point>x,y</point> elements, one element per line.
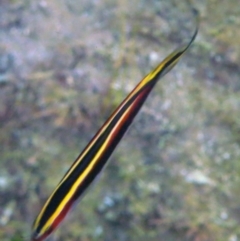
<point>94,157</point>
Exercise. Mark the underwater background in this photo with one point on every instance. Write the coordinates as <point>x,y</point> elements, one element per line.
<point>65,65</point>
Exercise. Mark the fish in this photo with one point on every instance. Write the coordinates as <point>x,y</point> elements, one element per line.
<point>92,160</point>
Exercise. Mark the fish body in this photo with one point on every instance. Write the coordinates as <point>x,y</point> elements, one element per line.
<point>94,157</point>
